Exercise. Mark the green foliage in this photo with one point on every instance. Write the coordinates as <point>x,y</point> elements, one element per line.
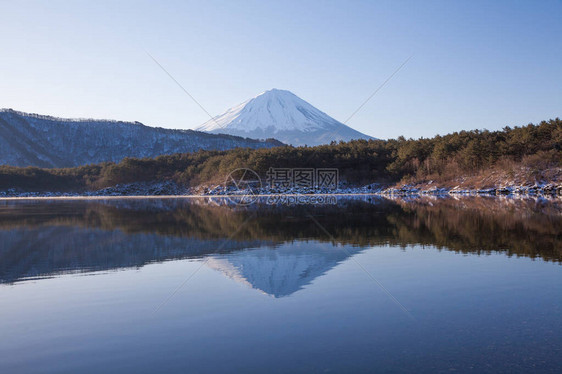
<point>468,152</point>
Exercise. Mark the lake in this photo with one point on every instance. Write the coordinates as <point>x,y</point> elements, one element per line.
<point>370,284</point>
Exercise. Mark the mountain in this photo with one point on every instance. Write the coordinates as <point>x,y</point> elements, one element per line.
<point>44,141</point>
<point>284,116</point>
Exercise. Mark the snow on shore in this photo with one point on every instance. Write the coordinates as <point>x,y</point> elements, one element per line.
<point>172,189</point>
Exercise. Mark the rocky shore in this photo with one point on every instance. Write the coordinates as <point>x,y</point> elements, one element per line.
<point>550,189</point>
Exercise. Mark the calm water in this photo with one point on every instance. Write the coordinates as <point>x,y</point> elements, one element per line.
<point>194,286</point>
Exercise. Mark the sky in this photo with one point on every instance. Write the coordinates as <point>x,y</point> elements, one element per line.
<point>474,64</point>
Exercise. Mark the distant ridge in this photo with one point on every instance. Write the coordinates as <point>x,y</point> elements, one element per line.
<point>28,139</point>
<point>61,119</point>
<point>282,115</point>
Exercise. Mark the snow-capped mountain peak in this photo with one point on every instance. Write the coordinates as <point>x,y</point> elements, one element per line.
<point>282,115</point>
<point>279,109</point>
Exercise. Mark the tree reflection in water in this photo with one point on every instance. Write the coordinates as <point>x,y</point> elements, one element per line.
<point>48,237</point>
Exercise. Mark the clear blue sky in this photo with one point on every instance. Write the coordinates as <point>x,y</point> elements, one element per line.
<point>476,64</point>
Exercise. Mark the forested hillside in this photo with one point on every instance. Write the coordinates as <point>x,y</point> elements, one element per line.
<point>533,151</point>
<point>43,141</point>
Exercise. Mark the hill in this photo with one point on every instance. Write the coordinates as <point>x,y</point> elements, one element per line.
<point>36,140</point>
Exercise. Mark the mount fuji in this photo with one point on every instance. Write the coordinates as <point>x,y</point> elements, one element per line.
<point>284,116</point>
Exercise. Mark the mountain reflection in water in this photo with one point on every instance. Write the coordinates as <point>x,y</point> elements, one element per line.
<point>277,250</point>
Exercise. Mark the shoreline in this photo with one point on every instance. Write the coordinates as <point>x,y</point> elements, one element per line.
<point>384,194</point>
<point>115,197</point>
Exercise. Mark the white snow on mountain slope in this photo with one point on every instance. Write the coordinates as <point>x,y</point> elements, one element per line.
<point>278,108</point>
<point>284,116</point>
